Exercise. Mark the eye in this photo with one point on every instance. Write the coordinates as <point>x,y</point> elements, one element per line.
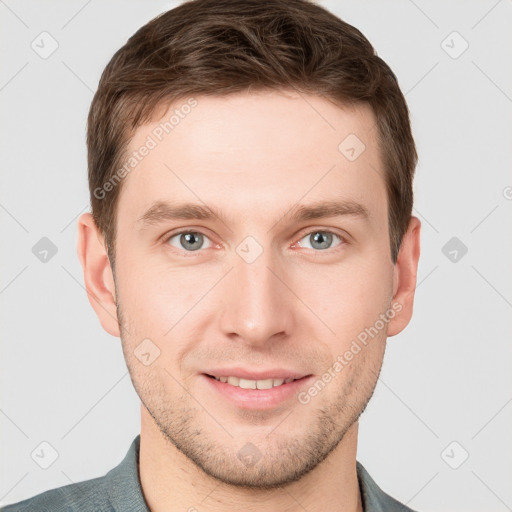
<point>188,240</point>
<point>192,241</point>
<point>320,240</point>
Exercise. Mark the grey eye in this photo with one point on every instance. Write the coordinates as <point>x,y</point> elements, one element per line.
<point>319,240</point>
<point>189,240</point>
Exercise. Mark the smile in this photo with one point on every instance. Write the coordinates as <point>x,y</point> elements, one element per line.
<point>252,384</point>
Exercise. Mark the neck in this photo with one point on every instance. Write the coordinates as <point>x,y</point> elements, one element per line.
<point>172,482</point>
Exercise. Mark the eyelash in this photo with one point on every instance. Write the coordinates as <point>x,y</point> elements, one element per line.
<point>343,240</point>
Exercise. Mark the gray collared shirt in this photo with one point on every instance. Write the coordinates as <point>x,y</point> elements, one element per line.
<point>120,491</point>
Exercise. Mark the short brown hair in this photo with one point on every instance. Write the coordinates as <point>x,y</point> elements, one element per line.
<point>218,47</point>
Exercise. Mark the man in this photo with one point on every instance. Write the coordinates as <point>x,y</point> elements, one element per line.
<point>251,243</point>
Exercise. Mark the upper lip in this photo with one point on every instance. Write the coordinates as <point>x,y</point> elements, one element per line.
<point>275,373</point>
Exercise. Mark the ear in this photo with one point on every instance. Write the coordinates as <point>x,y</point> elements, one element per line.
<point>98,277</point>
<point>404,278</point>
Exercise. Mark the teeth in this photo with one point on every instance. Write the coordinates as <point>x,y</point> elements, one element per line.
<point>254,384</point>
<point>248,384</point>
<point>234,381</point>
<point>265,384</point>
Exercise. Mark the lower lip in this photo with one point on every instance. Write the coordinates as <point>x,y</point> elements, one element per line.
<point>257,398</point>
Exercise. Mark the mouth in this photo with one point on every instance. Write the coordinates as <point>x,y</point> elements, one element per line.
<point>239,382</point>
<point>269,393</point>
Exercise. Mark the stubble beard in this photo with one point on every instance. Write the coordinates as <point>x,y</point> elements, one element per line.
<point>280,459</point>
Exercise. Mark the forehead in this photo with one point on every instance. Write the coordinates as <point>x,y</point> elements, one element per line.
<point>251,153</point>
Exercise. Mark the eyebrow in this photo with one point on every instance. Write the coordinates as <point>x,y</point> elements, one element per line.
<point>162,211</point>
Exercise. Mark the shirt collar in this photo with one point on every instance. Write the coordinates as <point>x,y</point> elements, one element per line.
<point>123,483</point>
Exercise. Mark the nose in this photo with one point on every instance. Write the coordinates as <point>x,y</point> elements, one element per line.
<point>258,306</point>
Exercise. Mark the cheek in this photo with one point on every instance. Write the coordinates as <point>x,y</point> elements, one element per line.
<point>349,297</point>
<point>164,304</point>
<point>152,293</point>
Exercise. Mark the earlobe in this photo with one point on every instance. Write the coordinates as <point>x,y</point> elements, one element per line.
<point>98,277</point>
<point>404,278</point>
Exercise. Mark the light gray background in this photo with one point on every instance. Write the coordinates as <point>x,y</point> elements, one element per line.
<point>446,378</point>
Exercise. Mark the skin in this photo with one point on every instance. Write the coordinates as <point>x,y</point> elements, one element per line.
<point>253,156</point>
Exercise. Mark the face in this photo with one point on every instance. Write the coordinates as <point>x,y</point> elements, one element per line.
<point>261,289</point>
